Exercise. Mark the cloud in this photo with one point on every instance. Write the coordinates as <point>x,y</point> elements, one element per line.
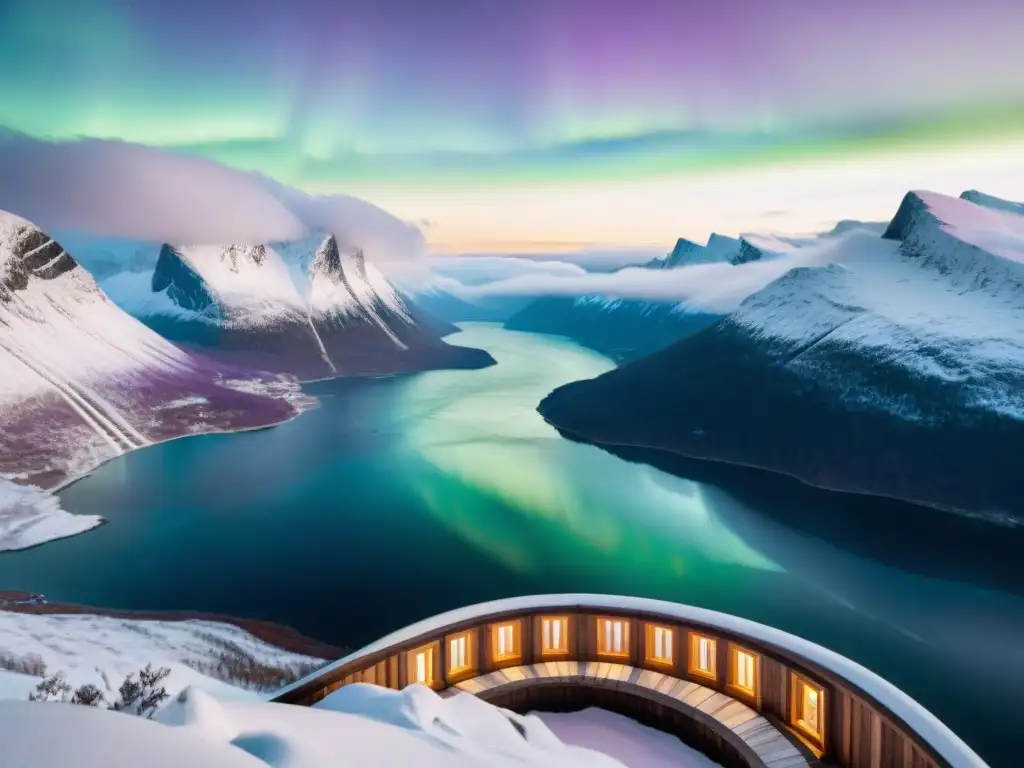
<point>118,189</point>
<point>710,287</point>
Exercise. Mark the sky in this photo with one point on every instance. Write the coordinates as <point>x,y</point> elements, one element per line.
<point>533,125</point>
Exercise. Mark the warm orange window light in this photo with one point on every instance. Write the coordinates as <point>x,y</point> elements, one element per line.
<point>807,707</point>
<point>421,665</point>
<point>459,653</point>
<point>659,644</point>
<point>554,631</point>
<point>703,656</point>
<point>506,641</point>
<point>743,670</point>
<point>613,637</point>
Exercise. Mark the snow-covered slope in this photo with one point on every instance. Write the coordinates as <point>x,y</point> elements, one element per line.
<point>890,365</point>
<point>991,201</point>
<point>83,381</point>
<point>102,651</point>
<point>299,307</point>
<point>359,726</point>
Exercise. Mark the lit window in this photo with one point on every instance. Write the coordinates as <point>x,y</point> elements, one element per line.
<point>808,701</point>
<point>422,666</point>
<point>555,635</point>
<point>613,637</point>
<point>506,641</point>
<point>744,671</point>
<point>702,656</point>
<point>458,656</point>
<point>659,644</point>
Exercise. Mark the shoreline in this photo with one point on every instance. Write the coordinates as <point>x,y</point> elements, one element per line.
<point>997,521</point>
<point>280,636</point>
<point>57,489</point>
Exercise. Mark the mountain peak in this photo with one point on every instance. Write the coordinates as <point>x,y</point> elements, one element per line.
<point>184,285</point>
<point>327,260</point>
<point>28,253</point>
<point>911,208</point>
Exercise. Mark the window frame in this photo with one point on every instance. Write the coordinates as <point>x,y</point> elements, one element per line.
<point>517,648</point>
<point>735,651</point>
<point>693,667</point>
<point>467,638</point>
<point>651,633</point>
<point>412,668</point>
<point>798,684</point>
<point>612,621</point>
<point>563,622</point>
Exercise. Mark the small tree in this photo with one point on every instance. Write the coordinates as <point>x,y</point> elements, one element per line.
<point>142,696</point>
<point>53,688</point>
<point>88,695</point>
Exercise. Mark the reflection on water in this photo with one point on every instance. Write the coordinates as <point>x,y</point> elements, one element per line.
<point>482,435</point>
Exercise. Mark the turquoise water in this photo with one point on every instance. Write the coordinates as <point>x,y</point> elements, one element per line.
<point>402,497</point>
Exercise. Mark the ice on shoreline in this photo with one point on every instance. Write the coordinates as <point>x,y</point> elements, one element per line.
<point>30,516</point>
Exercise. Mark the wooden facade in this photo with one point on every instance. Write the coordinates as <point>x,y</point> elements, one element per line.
<point>827,715</point>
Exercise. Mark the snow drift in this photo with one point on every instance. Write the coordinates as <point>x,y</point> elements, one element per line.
<point>360,725</point>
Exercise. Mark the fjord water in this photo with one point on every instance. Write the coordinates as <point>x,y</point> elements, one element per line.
<point>402,497</point>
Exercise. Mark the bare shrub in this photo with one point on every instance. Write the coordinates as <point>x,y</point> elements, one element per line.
<point>236,666</point>
<point>29,664</point>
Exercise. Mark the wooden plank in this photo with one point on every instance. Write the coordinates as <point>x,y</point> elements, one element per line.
<point>649,679</point>
<point>715,702</point>
<point>697,696</point>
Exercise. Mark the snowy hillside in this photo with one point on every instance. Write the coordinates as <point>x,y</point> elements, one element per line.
<point>102,650</point>
<point>901,357</point>
<point>359,726</point>
<point>83,381</point>
<point>300,307</point>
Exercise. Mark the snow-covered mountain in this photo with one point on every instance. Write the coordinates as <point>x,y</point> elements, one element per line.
<point>300,307</point>
<point>687,253</point>
<point>82,381</point>
<point>624,329</point>
<point>894,366</point>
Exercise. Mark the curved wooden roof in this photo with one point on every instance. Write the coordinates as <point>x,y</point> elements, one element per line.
<point>866,721</point>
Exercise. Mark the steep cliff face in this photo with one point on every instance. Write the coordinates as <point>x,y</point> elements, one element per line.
<point>303,308</point>
<point>83,381</point>
<point>896,368</point>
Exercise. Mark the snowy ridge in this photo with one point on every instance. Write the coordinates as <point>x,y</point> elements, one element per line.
<point>263,286</point>
<point>947,302</point>
<point>991,201</point>
<point>687,253</point>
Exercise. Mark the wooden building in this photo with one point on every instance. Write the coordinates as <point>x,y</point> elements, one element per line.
<point>747,695</point>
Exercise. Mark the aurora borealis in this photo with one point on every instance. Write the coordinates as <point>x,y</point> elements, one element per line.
<point>433,108</point>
